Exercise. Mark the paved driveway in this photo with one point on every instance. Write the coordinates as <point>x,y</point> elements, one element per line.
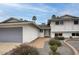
<point>5,47</point>
<point>39,43</point>
<point>74,43</point>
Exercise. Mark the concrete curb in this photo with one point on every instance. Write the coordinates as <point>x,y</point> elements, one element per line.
<point>71,47</point>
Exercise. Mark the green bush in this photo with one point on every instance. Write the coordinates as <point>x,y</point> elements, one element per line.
<point>59,38</point>
<point>54,42</point>
<point>25,50</point>
<point>53,48</point>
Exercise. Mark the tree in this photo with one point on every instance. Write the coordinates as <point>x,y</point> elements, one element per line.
<point>34,18</point>
<point>21,19</point>
<point>53,16</point>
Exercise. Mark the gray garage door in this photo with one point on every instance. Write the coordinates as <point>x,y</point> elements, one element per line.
<point>11,34</point>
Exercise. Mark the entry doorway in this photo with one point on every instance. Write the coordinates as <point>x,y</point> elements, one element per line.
<point>46,32</point>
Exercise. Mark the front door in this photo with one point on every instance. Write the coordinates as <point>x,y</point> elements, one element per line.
<point>46,32</point>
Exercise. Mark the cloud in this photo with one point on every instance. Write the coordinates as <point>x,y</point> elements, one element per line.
<point>24,6</point>
<point>66,12</point>
<point>33,7</point>
<point>71,9</point>
<point>2,13</point>
<point>42,11</point>
<point>12,4</point>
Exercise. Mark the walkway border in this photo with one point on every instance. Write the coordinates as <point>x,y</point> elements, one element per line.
<point>71,47</point>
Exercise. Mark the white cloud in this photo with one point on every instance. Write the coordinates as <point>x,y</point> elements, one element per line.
<point>71,9</point>
<point>2,13</point>
<point>41,8</point>
<point>24,6</point>
<point>12,4</point>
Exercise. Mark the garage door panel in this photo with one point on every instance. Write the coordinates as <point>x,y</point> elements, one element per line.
<point>11,34</point>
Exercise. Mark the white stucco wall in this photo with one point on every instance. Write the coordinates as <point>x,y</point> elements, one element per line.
<point>30,33</point>
<point>67,35</point>
<point>52,35</point>
<point>41,34</point>
<point>68,27</point>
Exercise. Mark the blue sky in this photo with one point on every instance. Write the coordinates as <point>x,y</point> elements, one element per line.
<point>43,11</point>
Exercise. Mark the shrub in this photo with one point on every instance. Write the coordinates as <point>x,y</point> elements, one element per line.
<point>54,42</point>
<point>53,48</point>
<point>59,38</point>
<point>25,50</point>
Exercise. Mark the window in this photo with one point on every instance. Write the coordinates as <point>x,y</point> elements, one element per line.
<point>59,22</point>
<point>58,34</point>
<point>75,21</point>
<point>75,34</point>
<point>41,30</point>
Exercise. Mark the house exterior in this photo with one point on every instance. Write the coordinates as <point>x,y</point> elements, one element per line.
<point>66,26</point>
<point>14,30</point>
<point>44,30</point>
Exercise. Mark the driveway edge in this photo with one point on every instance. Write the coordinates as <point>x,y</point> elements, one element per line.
<point>71,47</point>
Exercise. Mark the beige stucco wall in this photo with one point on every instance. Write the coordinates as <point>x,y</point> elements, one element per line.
<point>30,33</point>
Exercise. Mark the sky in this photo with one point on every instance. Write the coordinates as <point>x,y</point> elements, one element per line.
<point>43,11</point>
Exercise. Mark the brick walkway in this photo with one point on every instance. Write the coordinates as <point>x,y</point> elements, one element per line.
<point>39,43</point>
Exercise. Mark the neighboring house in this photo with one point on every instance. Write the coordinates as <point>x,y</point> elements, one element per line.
<point>66,26</point>
<point>14,30</point>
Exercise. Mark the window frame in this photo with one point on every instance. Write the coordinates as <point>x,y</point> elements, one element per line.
<point>58,34</point>
<point>76,22</point>
<point>59,22</point>
<point>41,30</point>
<point>75,34</point>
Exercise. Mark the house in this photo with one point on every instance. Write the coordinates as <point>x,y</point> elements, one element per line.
<point>14,30</point>
<point>66,26</point>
